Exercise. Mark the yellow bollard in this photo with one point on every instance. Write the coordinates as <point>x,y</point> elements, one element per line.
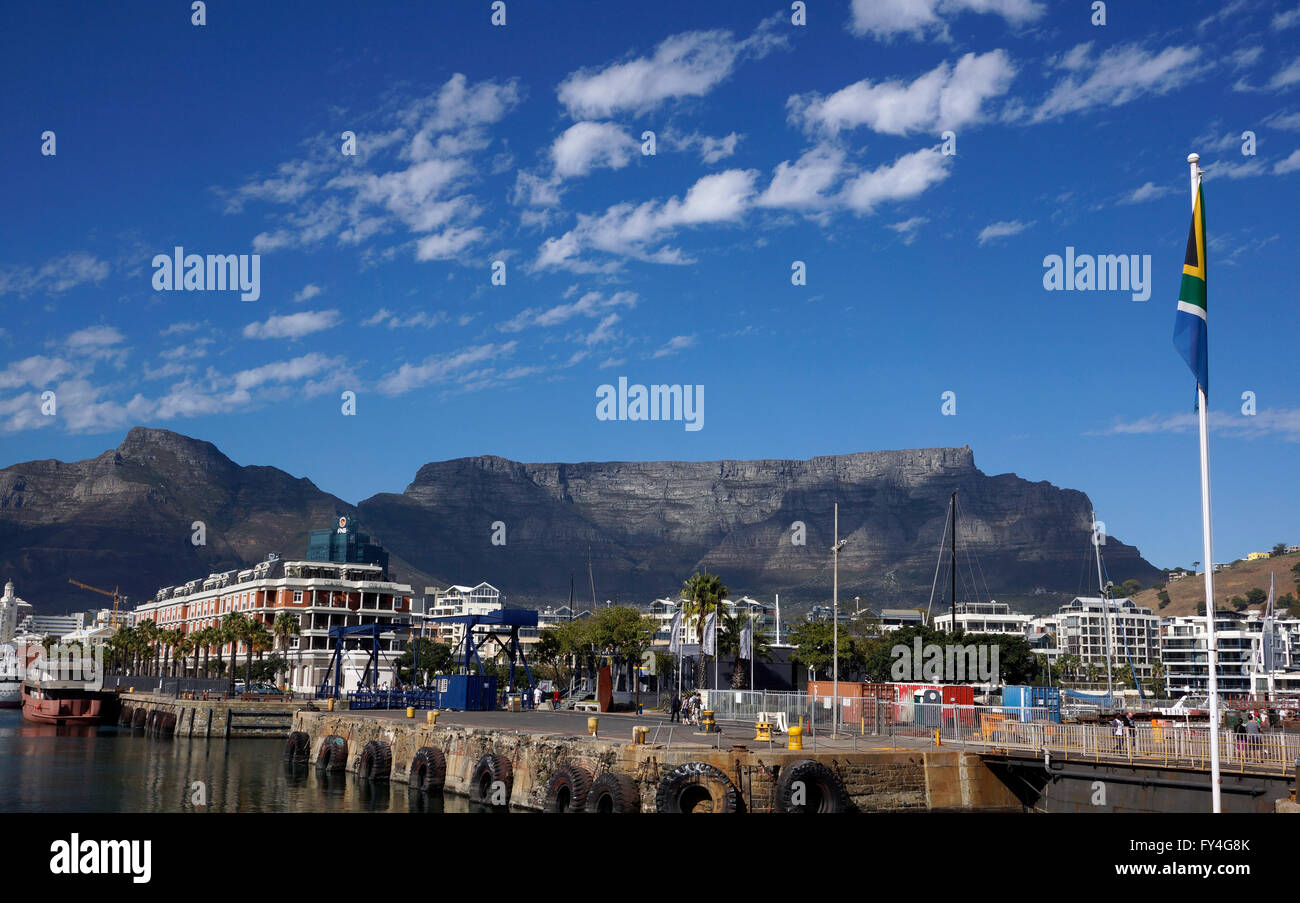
<point>431,717</point>
<point>592,724</point>
<point>639,735</point>
<point>796,738</point>
<point>707,724</point>
<point>937,740</point>
<point>331,706</point>
<point>410,711</point>
<point>763,730</point>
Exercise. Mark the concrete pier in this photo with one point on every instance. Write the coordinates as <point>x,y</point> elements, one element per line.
<point>209,717</point>
<point>536,744</point>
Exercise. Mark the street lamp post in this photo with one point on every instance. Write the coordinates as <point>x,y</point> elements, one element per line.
<point>835,628</point>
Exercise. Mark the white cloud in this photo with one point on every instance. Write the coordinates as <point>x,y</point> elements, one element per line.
<point>690,64</point>
<point>674,345</point>
<point>590,145</point>
<point>306,293</point>
<point>803,184</point>
<point>1287,19</point>
<point>1283,423</point>
<point>181,327</point>
<point>906,177</point>
<point>1287,76</point>
<point>1290,164</point>
<point>946,97</point>
<point>414,171</point>
<point>1149,191</point>
<point>591,304</point>
<point>1232,169</point>
<point>55,276</point>
<point>94,337</point>
<point>1116,76</point>
<point>1003,229</point>
<point>385,317</point>
<point>909,228</point>
<point>1287,121</point>
<point>38,371</point>
<point>443,367</point>
<point>883,19</point>
<point>293,326</point>
<point>710,149</point>
<point>635,231</point>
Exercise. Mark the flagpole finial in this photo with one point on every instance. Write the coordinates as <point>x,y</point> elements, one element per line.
<point>1193,158</point>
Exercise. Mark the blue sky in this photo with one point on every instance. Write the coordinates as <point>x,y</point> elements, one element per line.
<point>774,143</point>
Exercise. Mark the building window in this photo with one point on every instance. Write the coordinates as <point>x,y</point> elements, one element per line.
<point>297,595</point>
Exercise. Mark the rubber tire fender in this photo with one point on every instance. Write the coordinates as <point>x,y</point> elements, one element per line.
<point>297,747</point>
<point>676,783</point>
<point>490,769</point>
<point>567,789</point>
<point>614,793</point>
<point>376,761</point>
<point>428,769</point>
<point>333,755</point>
<point>829,793</point>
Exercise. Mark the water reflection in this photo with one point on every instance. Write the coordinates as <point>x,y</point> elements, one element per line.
<point>49,768</point>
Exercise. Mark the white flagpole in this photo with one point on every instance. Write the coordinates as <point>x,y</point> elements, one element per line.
<point>1211,642</point>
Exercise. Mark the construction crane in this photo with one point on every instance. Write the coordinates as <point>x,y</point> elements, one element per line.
<point>116,597</point>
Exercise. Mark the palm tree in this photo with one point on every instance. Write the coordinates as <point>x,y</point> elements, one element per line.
<point>702,594</point>
<point>233,627</point>
<point>148,636</point>
<point>284,626</point>
<point>185,645</point>
<point>260,640</point>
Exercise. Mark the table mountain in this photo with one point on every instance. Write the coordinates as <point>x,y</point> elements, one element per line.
<point>125,518</point>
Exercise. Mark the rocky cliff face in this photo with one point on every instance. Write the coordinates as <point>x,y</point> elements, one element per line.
<point>125,518</point>
<point>648,525</point>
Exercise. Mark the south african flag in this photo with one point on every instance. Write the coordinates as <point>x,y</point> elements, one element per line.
<point>1190,328</point>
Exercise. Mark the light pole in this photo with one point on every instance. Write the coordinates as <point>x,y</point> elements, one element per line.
<point>835,625</point>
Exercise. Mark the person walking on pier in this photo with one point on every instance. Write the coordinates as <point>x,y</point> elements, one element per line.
<point>676,707</point>
<point>1118,724</point>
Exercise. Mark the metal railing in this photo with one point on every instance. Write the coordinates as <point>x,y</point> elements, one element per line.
<point>1164,744</point>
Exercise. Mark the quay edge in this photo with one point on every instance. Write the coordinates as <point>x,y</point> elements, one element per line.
<point>875,780</point>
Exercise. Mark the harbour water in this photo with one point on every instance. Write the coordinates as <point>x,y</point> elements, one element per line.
<point>108,769</point>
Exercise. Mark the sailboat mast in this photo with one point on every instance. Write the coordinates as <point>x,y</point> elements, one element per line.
<point>1105,610</point>
<point>953,546</point>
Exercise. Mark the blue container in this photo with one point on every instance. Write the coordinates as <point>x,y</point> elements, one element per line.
<point>1048,698</point>
<point>466,693</point>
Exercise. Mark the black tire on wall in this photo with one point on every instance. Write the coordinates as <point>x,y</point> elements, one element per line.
<point>333,755</point>
<point>124,716</point>
<point>167,723</point>
<point>428,770</point>
<point>807,785</point>
<point>697,787</point>
<point>613,793</point>
<point>490,770</point>
<point>138,717</point>
<point>376,761</point>
<point>567,789</point>
<point>297,747</point>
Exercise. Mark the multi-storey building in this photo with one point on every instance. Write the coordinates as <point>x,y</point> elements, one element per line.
<point>321,593</point>
<point>458,600</point>
<point>985,617</point>
<point>1245,653</point>
<point>1093,628</point>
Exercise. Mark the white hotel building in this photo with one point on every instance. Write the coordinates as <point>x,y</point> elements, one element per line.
<point>1239,641</point>
<point>984,617</point>
<point>1082,627</point>
<point>321,594</point>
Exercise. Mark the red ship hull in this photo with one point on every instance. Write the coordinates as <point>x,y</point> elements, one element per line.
<point>44,708</point>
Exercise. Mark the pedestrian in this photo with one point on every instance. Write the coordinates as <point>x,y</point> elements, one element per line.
<point>1252,734</point>
<point>675,706</point>
<point>555,699</point>
<point>1118,724</point>
<point>537,697</point>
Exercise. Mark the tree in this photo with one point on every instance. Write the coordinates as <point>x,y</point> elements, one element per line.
<point>1130,588</point>
<point>626,634</point>
<point>549,652</point>
<point>284,626</point>
<point>702,594</point>
<point>1238,602</point>
<point>1256,596</point>
<point>435,658</point>
<point>1279,549</point>
<point>814,640</point>
<point>1163,597</point>
<point>233,626</point>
